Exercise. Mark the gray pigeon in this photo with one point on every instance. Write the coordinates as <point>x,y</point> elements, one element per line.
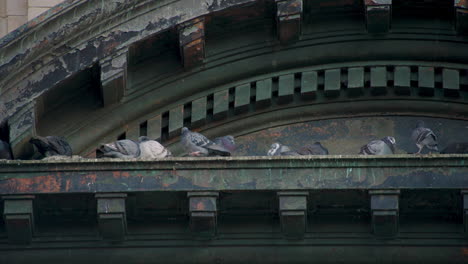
<point>197,144</point>
<point>277,149</point>
<point>5,151</point>
<point>123,149</point>
<point>152,149</point>
<point>51,146</point>
<point>384,146</point>
<point>313,149</point>
<point>227,142</point>
<point>424,137</point>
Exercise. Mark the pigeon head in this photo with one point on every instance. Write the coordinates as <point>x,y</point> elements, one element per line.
<point>227,141</point>
<point>185,130</point>
<point>389,140</point>
<point>274,148</point>
<point>144,138</point>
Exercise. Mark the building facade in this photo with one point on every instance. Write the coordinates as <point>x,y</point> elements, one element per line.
<point>289,71</point>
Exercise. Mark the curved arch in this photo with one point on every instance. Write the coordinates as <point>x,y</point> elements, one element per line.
<point>67,55</point>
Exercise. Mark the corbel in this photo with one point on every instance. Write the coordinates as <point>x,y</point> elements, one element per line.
<point>385,212</point>
<point>192,41</point>
<point>293,213</point>
<point>111,215</point>
<point>203,213</point>
<point>22,126</point>
<point>464,194</point>
<point>378,15</point>
<point>461,16</point>
<point>289,19</point>
<point>19,218</point>
<point>113,76</point>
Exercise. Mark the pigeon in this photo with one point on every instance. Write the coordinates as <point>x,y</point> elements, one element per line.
<point>456,148</point>
<point>382,146</point>
<point>277,149</point>
<point>197,144</point>
<point>123,149</point>
<point>227,142</point>
<point>313,149</point>
<point>5,151</point>
<point>152,149</point>
<point>52,146</point>
<point>424,137</point>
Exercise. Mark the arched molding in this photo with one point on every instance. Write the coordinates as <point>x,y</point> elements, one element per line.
<point>236,47</point>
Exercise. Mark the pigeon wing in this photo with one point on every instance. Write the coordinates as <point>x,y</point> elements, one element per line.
<point>200,140</point>
<point>152,149</point>
<point>372,148</point>
<point>59,145</point>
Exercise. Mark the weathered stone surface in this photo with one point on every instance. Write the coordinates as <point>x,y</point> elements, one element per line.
<point>255,173</point>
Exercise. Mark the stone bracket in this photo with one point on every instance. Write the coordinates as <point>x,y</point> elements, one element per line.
<point>385,212</point>
<point>289,19</point>
<point>293,213</point>
<point>19,218</point>
<point>378,16</point>
<point>114,77</point>
<point>22,127</point>
<point>203,213</point>
<point>111,215</point>
<point>192,42</point>
<point>461,16</point>
<point>464,194</point>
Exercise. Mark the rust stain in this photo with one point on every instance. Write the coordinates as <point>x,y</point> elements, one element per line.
<point>90,178</point>
<point>48,183</point>
<point>200,206</point>
<point>111,47</point>
<point>120,174</point>
<point>67,185</point>
<point>465,252</point>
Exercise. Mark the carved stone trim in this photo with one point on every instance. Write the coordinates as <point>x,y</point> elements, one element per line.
<point>461,16</point>
<point>19,218</point>
<point>289,15</point>
<point>22,127</point>
<point>385,212</point>
<point>114,77</point>
<point>293,213</point>
<point>192,41</point>
<point>111,214</point>
<point>203,213</point>
<point>378,15</point>
<point>464,194</point>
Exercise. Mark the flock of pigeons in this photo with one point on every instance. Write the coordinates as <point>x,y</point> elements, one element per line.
<point>197,145</point>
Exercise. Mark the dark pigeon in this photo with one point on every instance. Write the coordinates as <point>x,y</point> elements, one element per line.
<point>51,146</point>
<point>5,151</point>
<point>424,137</point>
<point>384,146</point>
<point>227,142</point>
<point>456,148</point>
<point>197,144</point>
<point>313,149</point>
<point>152,149</point>
<point>123,149</point>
